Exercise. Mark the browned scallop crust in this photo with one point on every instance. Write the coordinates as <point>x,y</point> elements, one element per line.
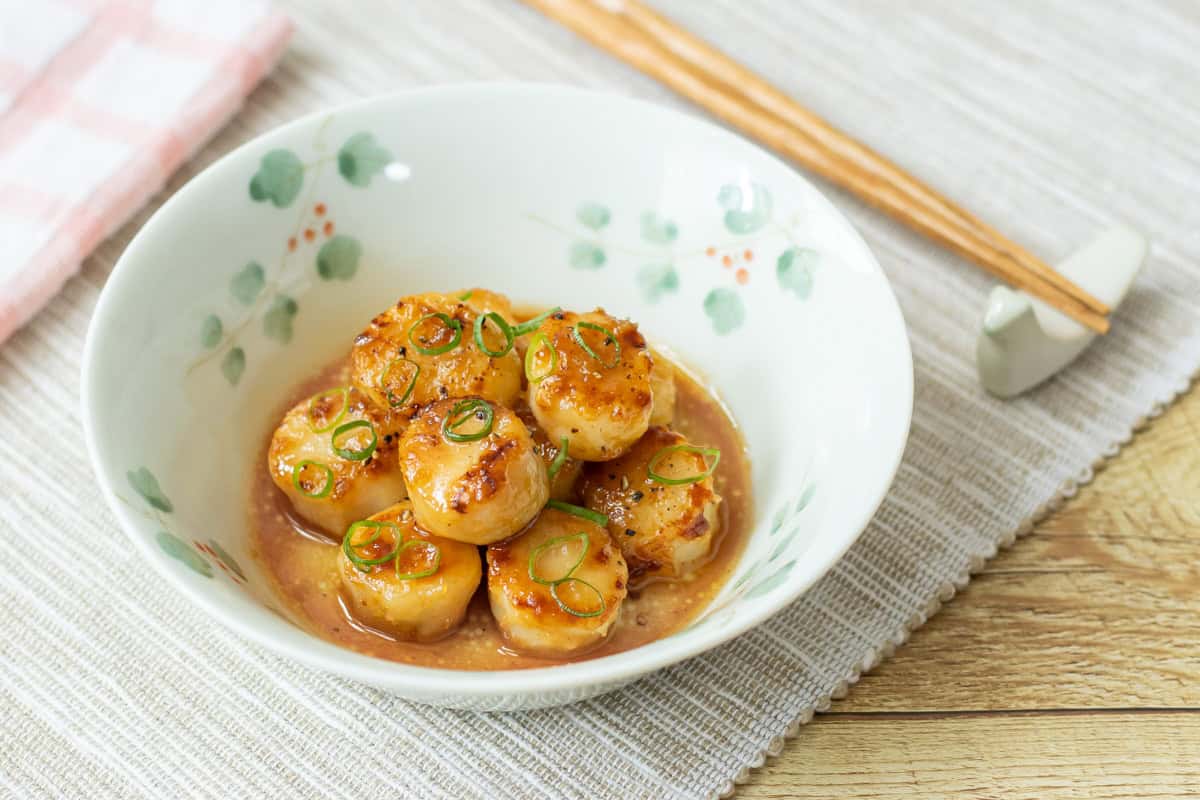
<point>421,609</point>
<point>527,611</point>
<point>483,301</point>
<point>461,372</point>
<point>562,485</point>
<point>602,409</point>
<point>359,487</point>
<point>478,491</point>
<point>664,531</point>
<point>662,389</point>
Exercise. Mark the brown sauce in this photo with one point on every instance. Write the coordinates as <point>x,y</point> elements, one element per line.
<point>303,562</point>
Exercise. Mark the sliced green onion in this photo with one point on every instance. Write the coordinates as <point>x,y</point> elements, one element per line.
<point>466,295</point>
<point>560,458</point>
<point>412,576</point>
<point>354,455</point>
<point>574,611</point>
<point>707,452</point>
<point>609,336</point>
<point>557,540</point>
<point>349,546</point>
<point>579,511</point>
<point>505,328</point>
<point>392,399</point>
<point>449,322</point>
<point>534,346</point>
<point>344,392</point>
<point>463,412</point>
<point>296,470</point>
<point>531,325</point>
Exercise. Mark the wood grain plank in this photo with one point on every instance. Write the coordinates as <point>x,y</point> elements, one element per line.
<point>1097,607</point>
<point>1042,756</point>
<point>1053,674</point>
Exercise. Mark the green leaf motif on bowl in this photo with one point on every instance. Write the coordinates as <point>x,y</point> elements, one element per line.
<point>788,512</point>
<point>144,483</point>
<point>770,582</point>
<point>361,158</point>
<point>179,550</point>
<point>725,309</point>
<point>338,258</point>
<point>247,282</point>
<point>593,215</point>
<point>279,178</point>
<point>745,212</point>
<point>233,365</point>
<point>229,561</point>
<point>277,323</point>
<point>657,230</point>
<point>657,280</point>
<point>751,584</point>
<point>211,330</point>
<point>586,255</point>
<point>795,268</point>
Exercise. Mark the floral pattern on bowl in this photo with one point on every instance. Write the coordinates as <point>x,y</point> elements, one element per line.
<point>747,213</point>
<point>269,296</point>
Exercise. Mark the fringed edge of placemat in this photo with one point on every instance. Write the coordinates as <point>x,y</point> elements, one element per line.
<point>948,589</point>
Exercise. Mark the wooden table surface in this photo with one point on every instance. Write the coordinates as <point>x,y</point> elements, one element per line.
<point>1068,668</point>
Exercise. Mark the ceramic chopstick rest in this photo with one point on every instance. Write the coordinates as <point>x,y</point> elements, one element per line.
<point>1023,341</point>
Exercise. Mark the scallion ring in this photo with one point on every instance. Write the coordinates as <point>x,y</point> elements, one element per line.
<point>349,546</point>
<point>539,341</point>
<point>560,458</point>
<point>463,412</point>
<point>393,400</point>
<point>505,329</point>
<point>354,455</point>
<point>450,323</point>
<point>465,296</point>
<point>579,511</point>
<point>436,560</point>
<point>570,609</point>
<point>557,540</point>
<point>316,400</point>
<point>707,452</point>
<point>609,336</point>
<point>530,325</point>
<point>328,485</point>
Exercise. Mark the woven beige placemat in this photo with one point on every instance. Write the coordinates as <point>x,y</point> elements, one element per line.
<point>1050,120</point>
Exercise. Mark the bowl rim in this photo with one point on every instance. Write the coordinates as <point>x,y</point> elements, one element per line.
<point>612,669</point>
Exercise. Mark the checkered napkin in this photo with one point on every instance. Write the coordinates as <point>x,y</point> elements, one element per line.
<point>100,101</point>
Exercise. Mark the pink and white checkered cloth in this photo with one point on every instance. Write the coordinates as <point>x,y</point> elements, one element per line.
<point>100,101</point>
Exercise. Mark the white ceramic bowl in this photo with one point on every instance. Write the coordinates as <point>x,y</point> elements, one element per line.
<point>722,253</point>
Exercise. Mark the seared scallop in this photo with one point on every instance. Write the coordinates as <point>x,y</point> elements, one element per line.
<point>562,470</point>
<point>334,456</point>
<point>557,588</point>
<point>589,381</point>
<point>404,581</point>
<point>424,349</point>
<point>472,471</point>
<point>662,391</point>
<point>664,529</point>
<point>482,301</point>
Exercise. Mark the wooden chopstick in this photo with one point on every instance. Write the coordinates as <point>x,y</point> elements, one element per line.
<point>703,56</point>
<point>633,37</point>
